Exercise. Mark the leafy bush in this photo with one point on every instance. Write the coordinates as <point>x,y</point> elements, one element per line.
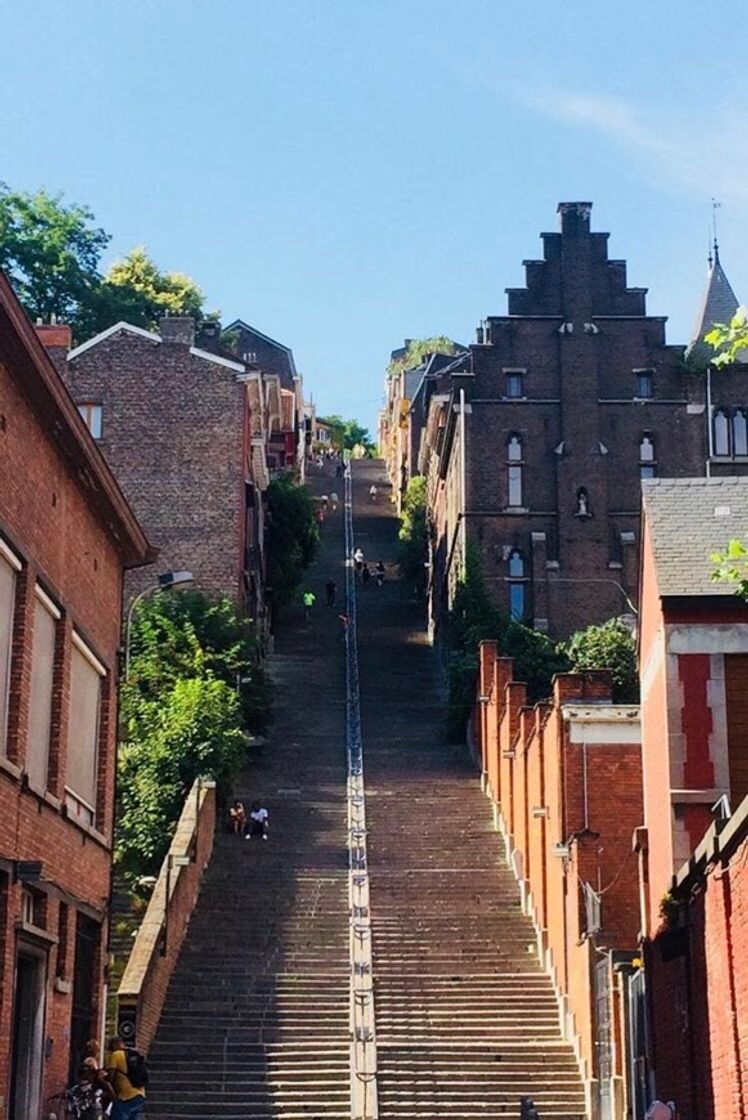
<point>412,552</point>
<point>611,646</point>
<point>195,691</point>
<point>292,538</point>
<point>475,617</point>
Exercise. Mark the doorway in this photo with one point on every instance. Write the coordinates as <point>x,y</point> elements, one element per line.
<point>28,1035</point>
<point>82,1026</point>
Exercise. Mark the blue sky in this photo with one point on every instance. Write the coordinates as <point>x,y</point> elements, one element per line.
<point>345,173</point>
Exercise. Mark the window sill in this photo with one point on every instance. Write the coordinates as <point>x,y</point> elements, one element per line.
<point>515,509</point>
<point>11,768</point>
<point>43,795</point>
<point>87,829</point>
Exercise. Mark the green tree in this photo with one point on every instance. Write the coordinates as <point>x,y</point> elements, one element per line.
<point>420,348</point>
<point>347,434</point>
<point>51,252</point>
<point>193,728</point>
<point>412,552</point>
<point>729,340</point>
<point>137,291</point>
<point>610,646</point>
<point>194,692</point>
<point>292,538</point>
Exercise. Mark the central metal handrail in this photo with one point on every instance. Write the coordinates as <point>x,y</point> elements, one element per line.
<point>363,1041</point>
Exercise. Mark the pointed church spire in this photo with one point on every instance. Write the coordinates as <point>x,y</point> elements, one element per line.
<point>718,304</point>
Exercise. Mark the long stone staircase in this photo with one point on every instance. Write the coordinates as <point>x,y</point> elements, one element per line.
<point>467,1021</point>
<point>256,1022</point>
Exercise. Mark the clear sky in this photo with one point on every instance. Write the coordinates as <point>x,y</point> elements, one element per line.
<point>345,173</point>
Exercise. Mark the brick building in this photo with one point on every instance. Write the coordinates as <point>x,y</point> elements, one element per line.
<point>286,443</point>
<point>66,535</point>
<point>185,429</point>
<point>692,1046</point>
<point>536,443</point>
<point>564,779</point>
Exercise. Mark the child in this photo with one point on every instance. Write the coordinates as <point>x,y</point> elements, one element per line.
<point>258,821</point>
<point>237,818</point>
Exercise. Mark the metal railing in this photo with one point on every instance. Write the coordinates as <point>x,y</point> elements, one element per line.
<point>364,1104</point>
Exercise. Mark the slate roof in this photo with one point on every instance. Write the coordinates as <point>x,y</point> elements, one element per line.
<point>718,305</point>
<point>688,520</point>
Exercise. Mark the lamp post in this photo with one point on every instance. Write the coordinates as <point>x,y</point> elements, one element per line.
<point>167,581</point>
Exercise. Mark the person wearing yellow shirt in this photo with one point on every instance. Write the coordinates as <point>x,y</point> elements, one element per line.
<point>129,1101</point>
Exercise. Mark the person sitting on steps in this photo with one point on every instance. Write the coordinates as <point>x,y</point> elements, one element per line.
<point>258,821</point>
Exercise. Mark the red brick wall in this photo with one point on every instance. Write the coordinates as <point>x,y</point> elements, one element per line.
<point>542,804</point>
<point>699,1000</point>
<point>46,520</point>
<point>173,432</point>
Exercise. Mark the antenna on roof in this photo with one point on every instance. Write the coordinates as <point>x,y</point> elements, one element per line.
<point>715,207</point>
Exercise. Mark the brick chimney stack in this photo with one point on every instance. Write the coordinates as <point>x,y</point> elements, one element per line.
<point>57,339</point>
<point>177,330</point>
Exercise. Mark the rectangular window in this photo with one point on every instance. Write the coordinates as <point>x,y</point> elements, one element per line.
<point>513,385</point>
<point>516,601</point>
<point>643,383</point>
<point>46,617</point>
<point>646,470</point>
<point>91,413</point>
<point>83,732</point>
<point>10,565</point>
<point>515,486</point>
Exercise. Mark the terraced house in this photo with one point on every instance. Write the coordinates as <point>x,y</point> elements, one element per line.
<point>66,537</point>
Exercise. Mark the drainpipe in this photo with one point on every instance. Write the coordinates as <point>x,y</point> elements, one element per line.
<point>709,433</point>
<point>463,483</point>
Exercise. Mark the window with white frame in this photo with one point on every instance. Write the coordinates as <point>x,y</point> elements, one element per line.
<point>721,433</point>
<point>81,775</point>
<point>91,413</point>
<point>43,647</point>
<point>739,432</point>
<point>514,387</point>
<point>514,471</point>
<point>10,566</point>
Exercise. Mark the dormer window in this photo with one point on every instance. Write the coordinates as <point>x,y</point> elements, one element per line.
<point>91,413</point>
<point>514,388</point>
<point>643,384</point>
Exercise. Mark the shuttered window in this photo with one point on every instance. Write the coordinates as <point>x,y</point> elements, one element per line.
<point>9,566</point>
<point>83,732</point>
<point>46,616</point>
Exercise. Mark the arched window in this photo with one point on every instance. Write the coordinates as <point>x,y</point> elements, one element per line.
<point>647,461</point>
<point>516,586</point>
<point>514,471</point>
<point>739,433</point>
<point>721,431</point>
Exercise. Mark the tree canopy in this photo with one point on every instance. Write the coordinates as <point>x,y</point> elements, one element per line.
<point>610,645</point>
<point>420,348</point>
<point>729,340</point>
<point>347,434</point>
<point>52,253</point>
<point>292,538</point>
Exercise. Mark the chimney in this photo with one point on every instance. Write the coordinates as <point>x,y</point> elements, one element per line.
<point>575,218</point>
<point>177,330</point>
<point>209,336</point>
<point>54,336</point>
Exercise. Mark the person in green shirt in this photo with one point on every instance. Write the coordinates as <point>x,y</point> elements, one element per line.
<point>309,598</point>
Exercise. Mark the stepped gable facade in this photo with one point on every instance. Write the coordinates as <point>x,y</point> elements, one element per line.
<point>570,400</point>
<point>66,536</point>
<point>184,430</point>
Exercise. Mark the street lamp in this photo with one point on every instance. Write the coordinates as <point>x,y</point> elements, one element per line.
<point>615,583</point>
<point>167,581</point>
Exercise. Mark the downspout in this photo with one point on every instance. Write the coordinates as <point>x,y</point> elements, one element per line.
<point>709,432</point>
<point>463,483</point>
